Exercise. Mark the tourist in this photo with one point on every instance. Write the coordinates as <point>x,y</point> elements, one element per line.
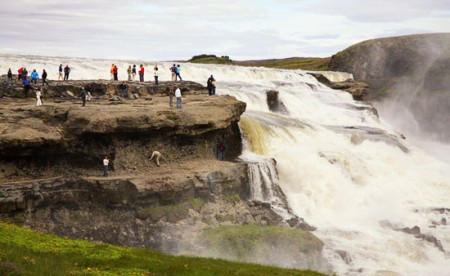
<point>106,166</point>
<point>211,84</point>
<point>24,73</point>
<point>19,73</point>
<point>26,87</point>
<point>44,77</point>
<point>221,151</point>
<point>141,73</point>
<point>171,94</point>
<point>129,72</point>
<point>156,74</point>
<point>34,76</point>
<point>157,156</point>
<point>133,72</point>
<point>111,71</point>
<point>60,72</point>
<point>173,69</point>
<point>178,71</point>
<point>115,73</point>
<point>10,80</point>
<point>178,96</point>
<point>66,72</point>
<point>123,89</point>
<point>83,96</point>
<point>38,98</point>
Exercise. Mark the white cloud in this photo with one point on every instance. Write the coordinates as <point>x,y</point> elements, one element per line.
<point>178,29</point>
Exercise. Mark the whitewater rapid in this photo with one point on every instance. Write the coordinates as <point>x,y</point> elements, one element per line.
<point>341,168</point>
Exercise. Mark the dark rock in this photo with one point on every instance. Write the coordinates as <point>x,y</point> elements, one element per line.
<point>274,103</point>
<point>358,89</point>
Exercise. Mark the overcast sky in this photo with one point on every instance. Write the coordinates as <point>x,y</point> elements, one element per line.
<point>179,29</point>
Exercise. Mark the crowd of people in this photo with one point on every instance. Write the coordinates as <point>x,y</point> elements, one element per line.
<point>28,79</point>
<point>64,72</point>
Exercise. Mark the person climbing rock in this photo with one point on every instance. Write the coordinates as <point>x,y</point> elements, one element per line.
<point>157,156</point>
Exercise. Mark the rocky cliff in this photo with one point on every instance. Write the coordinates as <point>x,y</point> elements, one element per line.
<point>410,71</point>
<point>51,164</point>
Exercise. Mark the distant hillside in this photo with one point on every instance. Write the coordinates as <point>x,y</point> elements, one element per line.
<point>312,64</point>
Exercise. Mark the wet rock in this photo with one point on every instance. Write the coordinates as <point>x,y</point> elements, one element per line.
<point>274,103</point>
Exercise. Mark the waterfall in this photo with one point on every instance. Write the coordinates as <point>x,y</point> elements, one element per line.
<point>263,186</point>
<point>340,167</point>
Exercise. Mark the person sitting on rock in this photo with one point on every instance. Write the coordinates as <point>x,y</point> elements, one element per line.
<point>157,156</point>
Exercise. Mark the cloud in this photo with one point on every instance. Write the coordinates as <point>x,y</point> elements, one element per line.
<point>176,29</point>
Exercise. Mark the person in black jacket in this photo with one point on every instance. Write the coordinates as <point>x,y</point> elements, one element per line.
<point>211,84</point>
<point>9,77</point>
<point>66,72</point>
<point>83,95</point>
<point>44,77</point>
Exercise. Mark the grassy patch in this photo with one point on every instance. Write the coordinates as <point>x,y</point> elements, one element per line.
<point>312,64</point>
<point>242,241</point>
<point>26,252</point>
<point>211,59</point>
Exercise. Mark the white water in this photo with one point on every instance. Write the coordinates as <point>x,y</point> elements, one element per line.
<point>348,190</point>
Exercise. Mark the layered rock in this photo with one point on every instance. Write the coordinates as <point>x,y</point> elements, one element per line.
<point>358,89</point>
<point>51,160</point>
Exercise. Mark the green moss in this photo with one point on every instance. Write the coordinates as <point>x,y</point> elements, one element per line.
<point>171,213</point>
<point>240,242</point>
<point>211,59</point>
<point>26,252</point>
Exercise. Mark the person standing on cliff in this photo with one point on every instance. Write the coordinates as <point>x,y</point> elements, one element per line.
<point>171,94</point>
<point>10,80</point>
<point>157,156</point>
<point>129,72</point>
<point>211,84</point>
<point>66,72</point>
<point>44,77</point>
<point>133,72</point>
<point>141,73</point>
<point>111,71</point>
<point>173,70</point>
<point>178,72</point>
<point>115,73</point>
<point>156,74</point>
<point>178,96</point>
<point>34,76</point>
<point>106,166</point>
<point>19,73</point>
<point>60,72</point>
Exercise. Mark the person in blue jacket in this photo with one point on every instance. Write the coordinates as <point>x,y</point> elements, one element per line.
<point>178,71</point>
<point>34,76</point>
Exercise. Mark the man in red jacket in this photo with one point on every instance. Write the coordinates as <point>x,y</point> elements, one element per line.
<point>141,73</point>
<point>115,72</point>
<point>19,73</point>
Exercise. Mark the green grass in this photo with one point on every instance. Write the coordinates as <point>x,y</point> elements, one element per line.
<point>27,252</point>
<point>241,241</point>
<point>312,64</point>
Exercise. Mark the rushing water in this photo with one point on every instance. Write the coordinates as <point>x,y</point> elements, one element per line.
<point>340,167</point>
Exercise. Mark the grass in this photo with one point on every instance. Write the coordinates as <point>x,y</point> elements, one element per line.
<point>27,252</point>
<point>312,64</point>
<point>242,241</point>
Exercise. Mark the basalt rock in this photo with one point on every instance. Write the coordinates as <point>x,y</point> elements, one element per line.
<point>274,103</point>
<point>358,89</point>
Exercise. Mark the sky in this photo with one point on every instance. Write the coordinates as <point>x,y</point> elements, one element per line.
<point>179,29</point>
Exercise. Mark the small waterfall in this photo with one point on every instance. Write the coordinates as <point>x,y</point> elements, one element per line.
<point>263,186</point>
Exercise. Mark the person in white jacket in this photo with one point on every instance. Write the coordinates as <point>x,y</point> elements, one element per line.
<point>157,156</point>
<point>38,98</point>
<point>178,96</point>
